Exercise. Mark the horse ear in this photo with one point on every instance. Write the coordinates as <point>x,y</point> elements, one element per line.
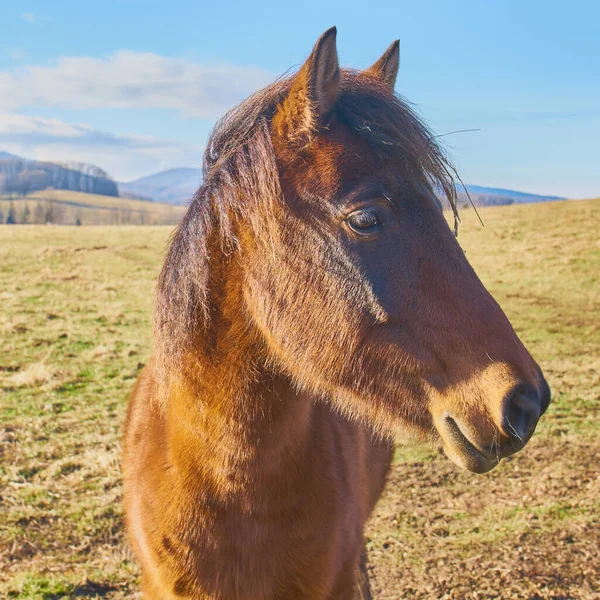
<point>314,92</point>
<point>386,68</point>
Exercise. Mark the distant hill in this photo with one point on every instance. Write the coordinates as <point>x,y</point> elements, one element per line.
<point>488,196</point>
<point>22,176</point>
<point>7,155</point>
<point>174,186</point>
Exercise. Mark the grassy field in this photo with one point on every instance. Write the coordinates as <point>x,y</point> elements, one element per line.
<point>66,207</point>
<point>74,332</point>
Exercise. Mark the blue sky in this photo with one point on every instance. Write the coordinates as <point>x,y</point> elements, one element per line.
<point>135,86</point>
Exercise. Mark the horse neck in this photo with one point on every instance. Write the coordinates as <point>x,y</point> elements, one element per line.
<point>235,422</point>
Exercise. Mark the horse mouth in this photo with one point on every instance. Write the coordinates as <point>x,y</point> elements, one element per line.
<point>460,450</point>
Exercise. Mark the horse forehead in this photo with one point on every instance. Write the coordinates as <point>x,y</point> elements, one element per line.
<point>335,161</point>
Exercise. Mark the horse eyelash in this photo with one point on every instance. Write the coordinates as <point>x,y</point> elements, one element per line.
<point>391,202</point>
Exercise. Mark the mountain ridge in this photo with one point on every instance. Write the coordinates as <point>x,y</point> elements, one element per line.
<point>517,196</point>
<point>22,175</point>
<point>174,186</point>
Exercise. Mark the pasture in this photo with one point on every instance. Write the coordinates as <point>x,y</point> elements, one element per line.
<point>75,330</point>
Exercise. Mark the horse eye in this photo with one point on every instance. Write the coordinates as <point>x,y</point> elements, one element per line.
<point>363,221</point>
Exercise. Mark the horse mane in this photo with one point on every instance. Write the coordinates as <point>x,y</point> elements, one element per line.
<point>240,168</point>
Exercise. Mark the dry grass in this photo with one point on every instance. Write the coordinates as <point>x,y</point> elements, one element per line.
<point>74,331</point>
<point>35,374</point>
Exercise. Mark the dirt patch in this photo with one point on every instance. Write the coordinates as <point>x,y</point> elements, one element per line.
<point>529,530</point>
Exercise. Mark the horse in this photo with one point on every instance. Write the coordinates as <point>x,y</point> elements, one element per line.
<point>313,304</point>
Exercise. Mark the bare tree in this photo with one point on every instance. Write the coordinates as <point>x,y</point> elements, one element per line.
<point>29,180</point>
<point>49,216</point>
<point>11,218</point>
<point>39,213</point>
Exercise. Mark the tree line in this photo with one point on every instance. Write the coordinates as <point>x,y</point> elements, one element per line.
<point>49,211</point>
<point>41,213</point>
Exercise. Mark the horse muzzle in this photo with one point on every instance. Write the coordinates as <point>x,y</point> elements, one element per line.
<point>479,447</point>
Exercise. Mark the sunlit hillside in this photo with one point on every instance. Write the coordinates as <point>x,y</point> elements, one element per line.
<point>65,207</point>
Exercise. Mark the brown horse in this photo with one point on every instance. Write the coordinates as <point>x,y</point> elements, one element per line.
<point>313,303</point>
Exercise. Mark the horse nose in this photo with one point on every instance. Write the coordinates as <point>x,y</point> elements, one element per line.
<point>522,410</point>
<point>545,395</point>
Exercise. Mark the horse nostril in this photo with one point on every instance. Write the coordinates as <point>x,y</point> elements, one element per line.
<point>521,414</point>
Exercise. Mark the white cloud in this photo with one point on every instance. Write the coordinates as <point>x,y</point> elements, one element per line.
<point>125,157</point>
<point>130,80</point>
<point>31,18</point>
